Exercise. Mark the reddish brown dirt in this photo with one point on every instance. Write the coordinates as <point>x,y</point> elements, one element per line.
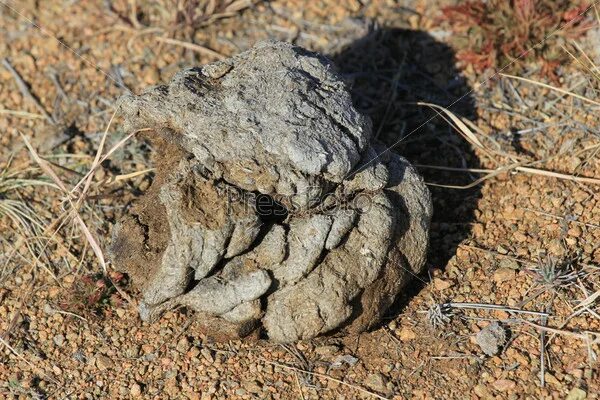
<point>486,240</point>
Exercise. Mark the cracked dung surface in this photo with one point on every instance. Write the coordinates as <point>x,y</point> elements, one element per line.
<point>270,210</point>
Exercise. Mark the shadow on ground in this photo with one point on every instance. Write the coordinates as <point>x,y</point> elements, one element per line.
<point>391,69</point>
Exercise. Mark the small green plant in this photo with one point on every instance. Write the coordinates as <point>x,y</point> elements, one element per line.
<point>493,33</point>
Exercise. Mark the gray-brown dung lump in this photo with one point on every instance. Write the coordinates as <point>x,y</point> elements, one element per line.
<point>270,208</point>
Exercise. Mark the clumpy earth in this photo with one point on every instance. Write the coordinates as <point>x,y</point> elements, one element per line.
<point>271,207</point>
<point>68,330</point>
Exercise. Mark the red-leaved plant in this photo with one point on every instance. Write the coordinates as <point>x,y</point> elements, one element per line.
<point>495,33</point>
<point>94,294</point>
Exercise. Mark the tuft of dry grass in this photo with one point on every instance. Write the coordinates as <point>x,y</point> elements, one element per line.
<point>22,218</point>
<point>12,203</point>
<point>197,14</point>
<point>75,198</point>
<point>184,15</point>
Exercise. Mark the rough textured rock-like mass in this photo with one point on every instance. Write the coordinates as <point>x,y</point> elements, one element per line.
<point>270,210</point>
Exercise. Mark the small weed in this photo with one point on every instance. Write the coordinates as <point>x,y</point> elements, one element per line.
<point>553,273</point>
<point>439,315</point>
<point>14,384</point>
<point>493,33</point>
<point>94,294</point>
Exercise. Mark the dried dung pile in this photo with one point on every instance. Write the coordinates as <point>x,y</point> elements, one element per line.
<point>270,210</point>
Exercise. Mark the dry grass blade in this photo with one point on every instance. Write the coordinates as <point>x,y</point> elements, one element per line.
<point>28,224</point>
<point>192,46</point>
<point>229,10</point>
<point>96,161</point>
<point>92,241</point>
<point>588,65</point>
<point>20,213</point>
<point>86,182</point>
<point>21,114</point>
<point>104,157</point>
<point>491,173</point>
<point>584,335</point>
<point>26,361</point>
<point>481,306</point>
<point>359,388</point>
<point>44,165</point>
<point>24,89</point>
<point>118,178</point>
<point>239,5</point>
<point>588,301</point>
<point>211,7</point>
<point>543,354</point>
<point>133,11</point>
<point>476,182</point>
<point>559,217</point>
<point>85,230</point>
<point>53,226</point>
<point>457,122</point>
<point>541,172</point>
<point>454,169</point>
<point>299,386</point>
<point>559,90</point>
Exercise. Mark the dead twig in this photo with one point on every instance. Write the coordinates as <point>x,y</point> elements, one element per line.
<point>584,336</point>
<point>21,114</point>
<point>24,89</point>
<point>491,173</point>
<point>19,356</point>
<point>192,46</point>
<point>559,90</point>
<point>482,306</point>
<point>543,353</point>
<point>568,220</point>
<point>356,387</point>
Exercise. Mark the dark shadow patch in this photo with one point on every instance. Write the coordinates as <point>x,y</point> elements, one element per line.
<point>517,140</point>
<point>269,210</point>
<point>390,70</point>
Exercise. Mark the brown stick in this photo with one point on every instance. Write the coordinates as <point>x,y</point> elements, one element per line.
<point>24,89</point>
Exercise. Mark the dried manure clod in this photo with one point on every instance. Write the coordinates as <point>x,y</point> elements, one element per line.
<point>270,210</point>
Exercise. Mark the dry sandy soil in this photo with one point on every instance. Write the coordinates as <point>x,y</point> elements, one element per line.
<point>522,239</point>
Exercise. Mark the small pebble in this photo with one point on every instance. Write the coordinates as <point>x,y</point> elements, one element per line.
<point>504,385</point>
<point>59,340</point>
<point>377,382</point>
<point>135,390</point>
